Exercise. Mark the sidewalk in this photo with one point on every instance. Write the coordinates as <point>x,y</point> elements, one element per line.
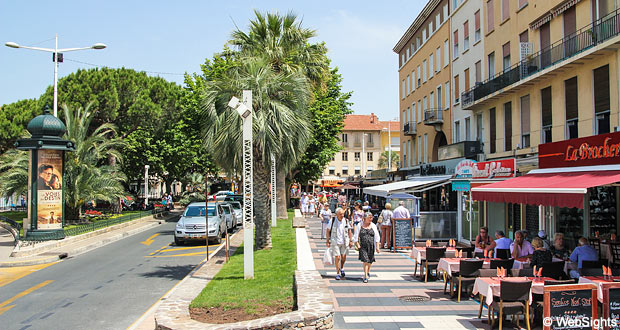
<point>79,246</point>
<point>376,304</point>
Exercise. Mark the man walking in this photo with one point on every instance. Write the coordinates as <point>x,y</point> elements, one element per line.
<point>401,212</point>
<point>339,233</point>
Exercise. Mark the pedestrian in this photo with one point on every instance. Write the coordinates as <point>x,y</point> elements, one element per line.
<point>339,232</point>
<point>333,203</point>
<point>311,206</point>
<point>401,212</point>
<point>385,220</point>
<point>304,204</point>
<point>366,239</point>
<point>342,199</point>
<point>326,215</point>
<point>366,206</point>
<point>358,214</point>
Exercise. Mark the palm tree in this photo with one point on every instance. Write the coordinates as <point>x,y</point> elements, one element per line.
<point>285,44</point>
<point>383,160</point>
<point>85,175</point>
<point>13,173</point>
<point>280,126</point>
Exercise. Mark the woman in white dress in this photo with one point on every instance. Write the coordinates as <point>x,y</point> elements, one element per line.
<point>304,204</point>
<point>311,205</point>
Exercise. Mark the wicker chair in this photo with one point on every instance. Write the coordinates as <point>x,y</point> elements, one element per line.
<point>497,263</point>
<point>513,299</point>
<point>468,271</point>
<point>432,260</point>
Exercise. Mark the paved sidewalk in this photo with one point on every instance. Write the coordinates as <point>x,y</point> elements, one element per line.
<point>375,305</point>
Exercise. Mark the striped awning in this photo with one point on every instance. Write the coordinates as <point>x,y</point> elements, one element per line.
<point>541,21</point>
<point>563,7</point>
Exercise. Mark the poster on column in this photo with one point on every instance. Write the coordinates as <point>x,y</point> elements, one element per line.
<point>49,189</point>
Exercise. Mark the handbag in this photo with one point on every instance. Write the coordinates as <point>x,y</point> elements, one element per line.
<point>380,219</point>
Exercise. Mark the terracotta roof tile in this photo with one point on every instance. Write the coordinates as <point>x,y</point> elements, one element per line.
<point>362,123</point>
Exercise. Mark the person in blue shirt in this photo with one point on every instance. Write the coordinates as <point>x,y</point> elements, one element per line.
<point>583,252</point>
<point>501,242</point>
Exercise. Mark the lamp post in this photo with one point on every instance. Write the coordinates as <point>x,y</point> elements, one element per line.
<point>56,57</point>
<point>364,154</point>
<point>146,185</point>
<point>274,222</point>
<point>245,111</point>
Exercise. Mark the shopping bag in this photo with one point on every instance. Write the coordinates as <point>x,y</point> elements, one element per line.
<point>328,259</point>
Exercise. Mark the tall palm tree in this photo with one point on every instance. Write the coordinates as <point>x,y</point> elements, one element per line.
<point>285,44</point>
<point>280,126</point>
<point>383,160</point>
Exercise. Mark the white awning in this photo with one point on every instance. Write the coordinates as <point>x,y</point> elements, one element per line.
<point>411,185</point>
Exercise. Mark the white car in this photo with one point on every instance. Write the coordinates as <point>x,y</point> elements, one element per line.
<point>191,225</point>
<point>238,212</point>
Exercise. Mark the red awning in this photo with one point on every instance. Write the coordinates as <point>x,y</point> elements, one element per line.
<point>566,189</point>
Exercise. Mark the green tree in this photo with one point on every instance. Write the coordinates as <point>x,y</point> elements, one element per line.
<point>383,160</point>
<point>280,125</point>
<point>13,120</point>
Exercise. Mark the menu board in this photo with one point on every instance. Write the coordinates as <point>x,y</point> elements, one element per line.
<point>571,303</point>
<point>402,233</point>
<point>611,304</point>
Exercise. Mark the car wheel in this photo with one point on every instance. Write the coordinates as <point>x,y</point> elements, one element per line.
<point>218,238</point>
<point>177,241</point>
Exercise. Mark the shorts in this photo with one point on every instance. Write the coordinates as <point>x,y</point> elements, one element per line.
<point>339,249</point>
<point>304,208</point>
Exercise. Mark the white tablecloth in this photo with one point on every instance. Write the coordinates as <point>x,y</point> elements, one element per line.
<point>598,281</point>
<point>451,265</point>
<point>419,253</point>
<point>489,286</point>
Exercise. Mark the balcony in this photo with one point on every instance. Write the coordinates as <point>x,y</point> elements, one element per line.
<point>571,46</point>
<point>433,116</point>
<point>409,128</point>
<point>345,144</point>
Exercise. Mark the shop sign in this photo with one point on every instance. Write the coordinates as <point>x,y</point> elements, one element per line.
<point>433,170</point>
<point>496,169</point>
<point>603,149</point>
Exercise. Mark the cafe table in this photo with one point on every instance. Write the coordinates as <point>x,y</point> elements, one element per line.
<point>419,252</point>
<point>451,265</point>
<point>599,281</point>
<point>488,287</point>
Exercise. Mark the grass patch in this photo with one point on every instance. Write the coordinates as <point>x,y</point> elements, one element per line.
<point>16,216</point>
<point>273,276</point>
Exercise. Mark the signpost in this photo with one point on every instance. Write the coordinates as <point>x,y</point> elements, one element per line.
<point>570,302</point>
<point>402,234</point>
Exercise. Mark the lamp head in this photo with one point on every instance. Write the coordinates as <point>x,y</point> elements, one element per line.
<point>98,46</point>
<point>146,167</point>
<point>241,108</point>
<point>12,44</point>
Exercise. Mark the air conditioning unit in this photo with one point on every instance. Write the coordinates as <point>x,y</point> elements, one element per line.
<point>481,157</point>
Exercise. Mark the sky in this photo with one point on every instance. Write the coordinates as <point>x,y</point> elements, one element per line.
<point>168,38</point>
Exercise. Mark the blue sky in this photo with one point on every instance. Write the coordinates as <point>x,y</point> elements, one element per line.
<point>159,36</point>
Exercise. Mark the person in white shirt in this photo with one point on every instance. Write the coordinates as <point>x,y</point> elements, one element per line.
<point>325,215</point>
<point>521,248</point>
<point>304,204</point>
<point>401,212</point>
<point>339,233</point>
<point>386,227</point>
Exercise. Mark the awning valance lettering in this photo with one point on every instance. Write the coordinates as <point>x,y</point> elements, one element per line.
<point>411,185</point>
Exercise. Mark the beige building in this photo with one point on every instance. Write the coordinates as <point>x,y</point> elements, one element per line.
<point>424,79</point>
<point>363,139</point>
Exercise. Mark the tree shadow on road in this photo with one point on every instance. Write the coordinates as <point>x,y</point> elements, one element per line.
<point>171,272</point>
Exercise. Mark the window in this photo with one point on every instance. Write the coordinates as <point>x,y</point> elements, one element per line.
<point>419,109</point>
<point>413,81</point>
<point>506,58</point>
<point>455,51</point>
<point>418,42</point>
<point>419,149</point>
<point>345,138</point>
<point>525,121</point>
<point>432,100</point>
<point>424,36</point>
<point>369,169</point>
<point>369,156</point>
<point>522,3</point>
<point>358,170</point>
<point>369,135</point>
<point>402,59</point>
<point>466,77</point>
<point>431,29</point>
<point>477,26</point>
<point>332,170</point>
<point>345,170</point>
<point>431,66</point>
<point>492,131</point>
<point>505,9</point>
<point>478,71</point>
<point>445,12</point>
<point>456,89</point>
<point>523,37</point>
<point>601,100</point>
<point>408,85</point>
<point>545,101</point>
<point>491,61</point>
<point>467,129</point>
<point>425,148</point>
<point>438,57</point>
<point>457,131</point>
<point>425,106</point>
<point>419,76</point>
<point>345,156</point>
<point>357,156</point>
<point>412,48</point>
<point>508,126</point>
<point>408,54</point>
<point>466,35</point>
<point>571,103</point>
<point>479,127</point>
<point>404,89</point>
<point>439,98</point>
<point>446,53</point>
<point>424,69</point>
<point>447,91</point>
<point>437,21</point>
<point>490,16</point>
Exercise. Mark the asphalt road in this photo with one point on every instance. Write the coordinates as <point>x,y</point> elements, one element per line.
<point>107,288</point>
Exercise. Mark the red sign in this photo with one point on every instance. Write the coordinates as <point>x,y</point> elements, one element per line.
<point>495,169</point>
<point>601,149</point>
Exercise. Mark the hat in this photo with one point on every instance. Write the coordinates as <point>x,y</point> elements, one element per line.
<point>542,234</point>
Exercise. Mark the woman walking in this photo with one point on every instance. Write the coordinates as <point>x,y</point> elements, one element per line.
<point>386,227</point>
<point>311,206</point>
<point>366,237</point>
<point>358,214</point>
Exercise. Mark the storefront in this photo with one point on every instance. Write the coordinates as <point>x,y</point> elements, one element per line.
<point>470,214</point>
<point>575,189</point>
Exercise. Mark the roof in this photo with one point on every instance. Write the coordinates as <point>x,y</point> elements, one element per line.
<point>413,28</point>
<point>393,126</point>
<point>362,123</point>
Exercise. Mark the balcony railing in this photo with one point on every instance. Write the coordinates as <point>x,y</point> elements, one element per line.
<point>433,116</point>
<point>584,39</point>
<point>409,128</point>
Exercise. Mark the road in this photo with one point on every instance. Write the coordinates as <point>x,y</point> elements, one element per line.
<point>107,288</point>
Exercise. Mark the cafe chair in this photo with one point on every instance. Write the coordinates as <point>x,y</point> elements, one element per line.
<point>525,272</point>
<point>555,270</point>
<point>433,254</point>
<point>513,300</point>
<point>592,264</point>
<point>420,244</point>
<point>614,248</point>
<point>497,263</point>
<point>468,271</point>
<point>595,243</point>
<point>502,253</point>
<point>479,255</point>
<point>597,272</point>
<point>466,250</point>
<point>441,244</point>
<point>485,273</point>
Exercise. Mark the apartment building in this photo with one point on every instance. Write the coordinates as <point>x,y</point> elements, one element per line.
<point>424,79</point>
<point>363,139</point>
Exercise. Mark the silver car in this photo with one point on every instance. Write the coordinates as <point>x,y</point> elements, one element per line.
<point>191,225</point>
<point>227,212</point>
<point>238,211</point>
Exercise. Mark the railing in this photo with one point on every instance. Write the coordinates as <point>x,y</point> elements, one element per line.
<point>433,116</point>
<point>357,144</point>
<point>409,128</point>
<point>585,38</point>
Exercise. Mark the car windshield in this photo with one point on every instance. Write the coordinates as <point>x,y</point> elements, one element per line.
<point>197,211</point>
<point>236,206</point>
<point>226,210</point>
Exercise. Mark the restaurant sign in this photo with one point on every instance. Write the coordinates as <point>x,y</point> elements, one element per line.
<point>603,149</point>
<point>496,169</point>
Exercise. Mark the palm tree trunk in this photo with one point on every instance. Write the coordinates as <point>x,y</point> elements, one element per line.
<point>281,196</point>
<point>262,207</point>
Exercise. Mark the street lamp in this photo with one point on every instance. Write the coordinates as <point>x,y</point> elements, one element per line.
<point>274,222</point>
<point>56,57</point>
<point>364,154</point>
<point>244,109</point>
<point>389,129</point>
<point>146,185</point>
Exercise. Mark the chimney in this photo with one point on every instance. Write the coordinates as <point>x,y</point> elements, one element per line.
<point>373,118</point>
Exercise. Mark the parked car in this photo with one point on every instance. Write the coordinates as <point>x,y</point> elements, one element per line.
<point>227,212</point>
<point>238,211</point>
<point>230,198</point>
<point>191,225</point>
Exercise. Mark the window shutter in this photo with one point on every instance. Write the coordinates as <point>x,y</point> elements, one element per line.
<point>525,114</point>
<point>545,95</point>
<point>466,30</point>
<point>456,37</point>
<point>466,77</point>
<point>477,20</point>
<point>570,94</point>
<point>601,89</point>
<point>490,16</point>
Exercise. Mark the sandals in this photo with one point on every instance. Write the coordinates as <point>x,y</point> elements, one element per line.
<point>365,280</point>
